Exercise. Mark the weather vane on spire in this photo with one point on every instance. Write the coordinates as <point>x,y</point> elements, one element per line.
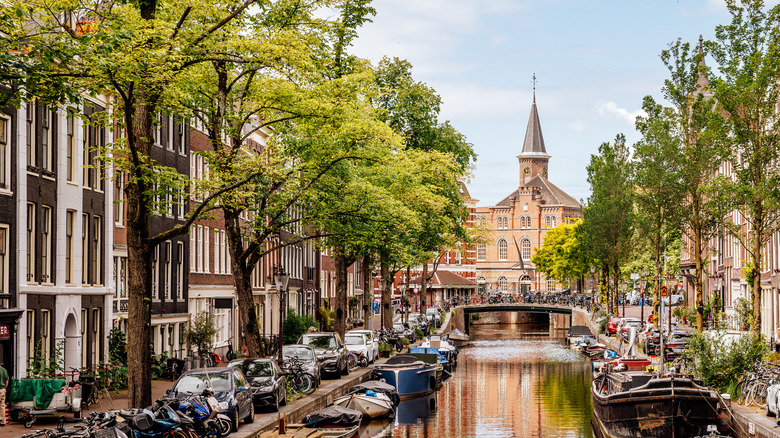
<point>534,82</point>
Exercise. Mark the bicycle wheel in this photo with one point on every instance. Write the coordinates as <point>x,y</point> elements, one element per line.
<point>739,390</point>
<point>352,361</point>
<point>758,394</point>
<point>303,382</point>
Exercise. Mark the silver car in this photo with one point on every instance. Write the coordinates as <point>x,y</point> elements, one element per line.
<point>374,351</point>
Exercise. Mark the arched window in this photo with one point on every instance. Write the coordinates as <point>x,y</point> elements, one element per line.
<point>528,221</point>
<point>481,280</point>
<point>481,252</point>
<point>506,223</point>
<point>547,221</point>
<point>502,250</point>
<point>522,221</point>
<point>525,246</point>
<point>552,221</point>
<point>550,285</point>
<point>502,284</point>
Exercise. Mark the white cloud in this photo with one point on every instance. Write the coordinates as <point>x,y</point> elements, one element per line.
<point>578,126</point>
<point>611,109</point>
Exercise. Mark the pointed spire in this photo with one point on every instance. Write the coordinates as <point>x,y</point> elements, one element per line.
<point>702,82</point>
<point>534,142</point>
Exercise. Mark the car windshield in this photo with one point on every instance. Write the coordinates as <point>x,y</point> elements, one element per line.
<point>196,383</point>
<point>354,340</point>
<point>399,327</point>
<point>299,352</point>
<point>319,341</point>
<point>258,369</point>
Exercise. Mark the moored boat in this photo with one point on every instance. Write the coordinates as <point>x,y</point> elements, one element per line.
<point>577,333</point>
<point>334,421</point>
<point>636,404</point>
<point>371,404</point>
<point>409,375</point>
<point>458,338</point>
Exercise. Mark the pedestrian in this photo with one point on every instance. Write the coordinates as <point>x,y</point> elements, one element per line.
<point>4,381</point>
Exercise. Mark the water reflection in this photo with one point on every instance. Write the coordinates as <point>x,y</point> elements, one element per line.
<point>513,380</point>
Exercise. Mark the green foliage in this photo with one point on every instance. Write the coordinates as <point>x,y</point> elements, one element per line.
<point>295,325</point>
<point>160,366</point>
<point>562,255</point>
<point>744,310</point>
<point>42,368</point>
<point>721,362</point>
<point>326,316</point>
<point>384,346</point>
<point>418,333</point>
<point>117,346</point>
<point>201,331</point>
<point>115,376</point>
<point>686,314</point>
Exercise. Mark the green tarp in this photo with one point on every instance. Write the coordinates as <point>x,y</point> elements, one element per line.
<point>40,390</point>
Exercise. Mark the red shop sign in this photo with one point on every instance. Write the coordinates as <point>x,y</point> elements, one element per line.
<point>5,332</point>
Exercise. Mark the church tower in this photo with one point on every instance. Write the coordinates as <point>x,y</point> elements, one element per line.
<point>533,158</point>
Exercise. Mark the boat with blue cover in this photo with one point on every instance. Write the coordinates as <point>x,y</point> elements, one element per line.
<point>409,375</point>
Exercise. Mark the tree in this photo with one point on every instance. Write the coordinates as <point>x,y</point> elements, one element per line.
<point>659,192</point>
<point>747,90</point>
<point>695,126</point>
<point>608,218</point>
<point>200,332</point>
<point>562,256</point>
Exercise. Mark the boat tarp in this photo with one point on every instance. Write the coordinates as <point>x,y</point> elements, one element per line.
<point>40,390</point>
<point>457,332</point>
<point>333,416</point>
<point>402,359</point>
<point>580,330</point>
<point>377,386</point>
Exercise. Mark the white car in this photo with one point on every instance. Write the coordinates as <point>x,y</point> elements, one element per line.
<point>359,343</point>
<point>773,401</point>
<point>374,352</point>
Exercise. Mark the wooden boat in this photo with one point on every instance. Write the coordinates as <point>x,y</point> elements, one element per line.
<point>458,338</point>
<point>635,404</point>
<point>371,404</point>
<point>409,375</point>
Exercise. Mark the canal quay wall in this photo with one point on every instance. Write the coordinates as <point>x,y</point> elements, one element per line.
<point>747,424</point>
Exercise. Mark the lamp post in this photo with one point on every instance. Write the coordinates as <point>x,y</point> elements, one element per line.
<point>593,284</point>
<point>642,295</point>
<point>281,278</point>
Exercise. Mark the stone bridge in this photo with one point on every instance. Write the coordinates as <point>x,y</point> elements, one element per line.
<point>560,317</point>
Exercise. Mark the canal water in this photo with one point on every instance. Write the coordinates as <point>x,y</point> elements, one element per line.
<point>513,380</point>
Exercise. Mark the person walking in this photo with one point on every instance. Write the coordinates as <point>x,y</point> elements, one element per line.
<point>4,380</point>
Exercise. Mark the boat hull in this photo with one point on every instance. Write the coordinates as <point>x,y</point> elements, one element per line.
<point>459,342</point>
<point>658,409</point>
<point>410,382</point>
<point>369,406</point>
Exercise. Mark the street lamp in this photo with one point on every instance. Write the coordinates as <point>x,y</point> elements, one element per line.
<point>281,278</point>
<point>642,295</point>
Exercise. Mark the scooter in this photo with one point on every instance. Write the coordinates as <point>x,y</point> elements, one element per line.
<point>206,415</point>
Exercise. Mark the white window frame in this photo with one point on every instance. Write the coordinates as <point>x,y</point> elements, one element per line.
<point>47,139</point>
<point>179,270</point>
<point>525,248</point>
<point>84,248</point>
<point>70,146</point>
<point>5,153</point>
<point>119,199</point>
<point>206,245</point>
<point>30,127</point>
<point>502,250</point>
<point>31,230</point>
<point>46,237</point>
<point>97,257</point>
<point>5,232</point>
<point>167,270</point>
<point>70,216</point>
<point>481,252</point>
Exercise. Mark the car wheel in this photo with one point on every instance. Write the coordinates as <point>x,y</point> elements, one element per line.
<point>251,417</point>
<point>345,370</point>
<point>275,406</point>
<point>234,421</point>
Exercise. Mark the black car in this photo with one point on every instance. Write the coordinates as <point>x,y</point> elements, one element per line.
<point>331,352</point>
<point>307,355</point>
<point>230,389</point>
<point>676,343</point>
<point>653,342</point>
<point>266,381</point>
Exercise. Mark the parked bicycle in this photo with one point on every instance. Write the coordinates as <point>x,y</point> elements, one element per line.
<point>299,379</point>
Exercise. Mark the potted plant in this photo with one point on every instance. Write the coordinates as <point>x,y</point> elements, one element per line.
<point>385,349</point>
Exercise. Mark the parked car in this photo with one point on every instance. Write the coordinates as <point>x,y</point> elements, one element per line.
<point>267,381</point>
<point>331,352</point>
<point>773,401</point>
<point>359,343</point>
<point>422,321</point>
<point>652,341</point>
<point>612,325</point>
<point>374,352</point>
<point>676,343</point>
<point>230,389</point>
<point>405,329</point>
<point>308,356</point>
<point>433,316</point>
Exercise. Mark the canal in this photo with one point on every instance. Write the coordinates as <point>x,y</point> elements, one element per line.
<point>512,380</point>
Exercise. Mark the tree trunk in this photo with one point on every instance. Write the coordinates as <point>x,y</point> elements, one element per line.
<point>368,295</point>
<point>387,308</point>
<point>698,281</point>
<point>340,319</point>
<point>756,327</point>
<point>657,293</point>
<point>406,295</point>
<point>139,263</point>
<point>424,288</point>
<point>242,280</point>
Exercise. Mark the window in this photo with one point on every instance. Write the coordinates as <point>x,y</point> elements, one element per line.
<point>502,284</point>
<point>168,132</point>
<point>69,215</point>
<point>97,250</point>
<point>193,248</point>
<point>30,128</point>
<point>47,131</point>
<point>550,285</point>
<point>4,259</point>
<point>30,242</point>
<point>97,322</point>
<point>182,204</point>
<point>502,250</point>
<point>525,247</point>
<point>46,334</point>
<point>181,130</point>
<point>199,243</point>
<point>46,244</point>
<point>206,244</point>
<point>481,252</point>
<point>30,336</point>
<point>84,331</point>
<point>119,199</point>
<point>84,248</point>
<point>167,270</point>
<point>120,276</point>
<point>155,273</point>
<point>179,270</point>
<point>552,221</point>
<point>5,153</point>
<point>71,145</point>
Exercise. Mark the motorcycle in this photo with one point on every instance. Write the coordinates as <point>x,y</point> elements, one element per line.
<point>206,414</point>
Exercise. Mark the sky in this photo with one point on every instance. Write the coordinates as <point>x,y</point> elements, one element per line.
<point>594,61</point>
